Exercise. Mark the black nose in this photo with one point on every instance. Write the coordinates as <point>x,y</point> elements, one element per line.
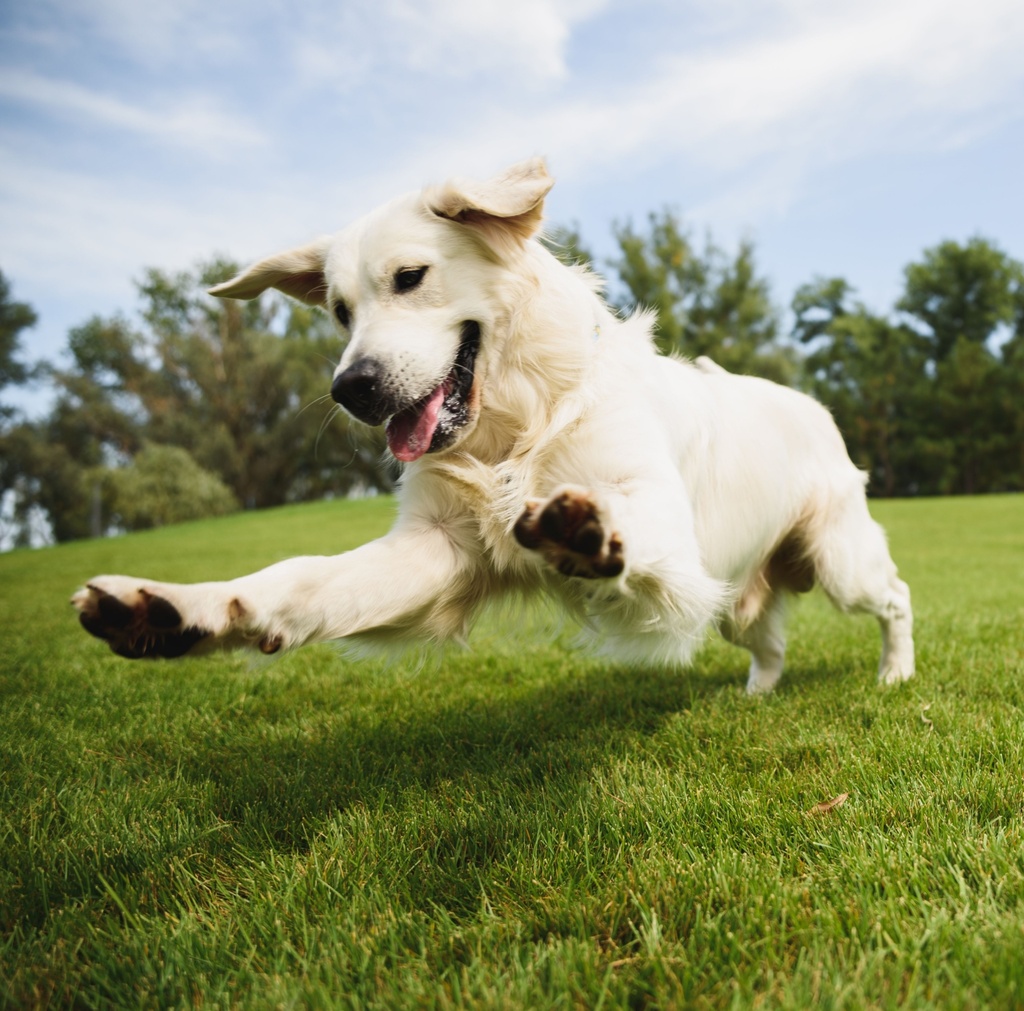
<point>360,389</point>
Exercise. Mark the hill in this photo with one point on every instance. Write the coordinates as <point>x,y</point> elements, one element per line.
<point>514,825</point>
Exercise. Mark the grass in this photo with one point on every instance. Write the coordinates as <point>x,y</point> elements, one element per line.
<point>515,826</point>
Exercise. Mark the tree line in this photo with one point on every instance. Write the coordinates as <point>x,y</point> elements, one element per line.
<point>204,406</point>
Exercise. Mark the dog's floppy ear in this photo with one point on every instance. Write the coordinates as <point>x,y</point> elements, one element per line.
<point>297,272</point>
<point>506,209</point>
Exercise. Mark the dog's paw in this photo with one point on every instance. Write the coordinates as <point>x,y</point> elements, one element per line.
<point>135,622</point>
<point>896,667</point>
<point>570,533</point>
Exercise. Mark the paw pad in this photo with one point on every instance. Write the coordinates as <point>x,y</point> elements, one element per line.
<point>149,628</point>
<point>569,532</point>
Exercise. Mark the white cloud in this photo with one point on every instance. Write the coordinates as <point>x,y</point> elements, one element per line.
<point>818,88</point>
<point>831,82</point>
<point>464,37</point>
<point>82,234</point>
<point>154,32</point>
<point>743,110</point>
<point>454,39</point>
<point>193,121</point>
<point>821,87</point>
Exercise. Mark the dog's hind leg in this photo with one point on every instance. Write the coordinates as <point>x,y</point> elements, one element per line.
<point>852,562</point>
<point>897,623</point>
<point>765,638</point>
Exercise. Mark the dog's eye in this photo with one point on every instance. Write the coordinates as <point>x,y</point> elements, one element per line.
<point>341,314</point>
<point>408,278</point>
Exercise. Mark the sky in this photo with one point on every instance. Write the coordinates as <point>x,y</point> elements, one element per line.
<point>842,138</point>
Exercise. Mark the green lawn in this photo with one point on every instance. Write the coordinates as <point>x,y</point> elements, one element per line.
<point>514,826</point>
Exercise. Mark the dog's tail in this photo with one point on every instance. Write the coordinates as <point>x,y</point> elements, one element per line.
<point>708,367</point>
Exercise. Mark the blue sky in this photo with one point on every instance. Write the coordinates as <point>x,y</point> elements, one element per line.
<point>843,138</point>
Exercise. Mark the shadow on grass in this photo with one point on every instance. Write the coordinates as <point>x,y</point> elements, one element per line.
<point>453,772</point>
<point>276,780</point>
<point>281,786</point>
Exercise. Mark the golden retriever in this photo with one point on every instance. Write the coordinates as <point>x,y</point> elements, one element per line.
<point>547,448</point>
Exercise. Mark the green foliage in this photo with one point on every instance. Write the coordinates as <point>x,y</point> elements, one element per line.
<point>515,826</point>
<point>930,397</point>
<point>962,293</point>
<point>867,370</point>
<point>240,387</point>
<point>705,303</point>
<point>567,244</point>
<point>41,472</point>
<point>928,400</point>
<point>163,485</point>
<point>961,298</point>
<point>14,318</point>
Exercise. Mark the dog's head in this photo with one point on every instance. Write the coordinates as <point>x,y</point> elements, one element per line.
<point>412,287</point>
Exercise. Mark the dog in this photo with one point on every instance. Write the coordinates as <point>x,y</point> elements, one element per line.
<point>547,448</point>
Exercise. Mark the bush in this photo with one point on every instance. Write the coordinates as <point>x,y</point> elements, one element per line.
<point>162,485</point>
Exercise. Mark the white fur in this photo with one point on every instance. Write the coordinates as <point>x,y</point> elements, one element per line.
<point>721,488</point>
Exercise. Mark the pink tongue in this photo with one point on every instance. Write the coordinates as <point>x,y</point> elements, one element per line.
<point>409,433</point>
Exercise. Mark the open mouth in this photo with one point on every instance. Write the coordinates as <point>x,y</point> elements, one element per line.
<point>433,422</point>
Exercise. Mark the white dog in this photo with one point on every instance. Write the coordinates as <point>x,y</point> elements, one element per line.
<point>547,447</point>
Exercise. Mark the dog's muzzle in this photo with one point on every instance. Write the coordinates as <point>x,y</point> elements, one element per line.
<point>426,424</point>
<point>362,390</point>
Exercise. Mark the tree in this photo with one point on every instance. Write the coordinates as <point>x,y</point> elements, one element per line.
<point>1011,398</point>
<point>234,392</point>
<point>928,398</point>
<point>961,293</point>
<point>242,387</point>
<point>869,372</point>
<point>706,303</point>
<point>44,475</point>
<point>565,242</point>
<point>962,300</point>
<point>16,507</point>
<point>14,318</point>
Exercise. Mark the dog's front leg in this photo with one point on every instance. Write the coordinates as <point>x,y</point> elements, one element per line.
<point>397,581</point>
<point>630,549</point>
<point>574,533</point>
